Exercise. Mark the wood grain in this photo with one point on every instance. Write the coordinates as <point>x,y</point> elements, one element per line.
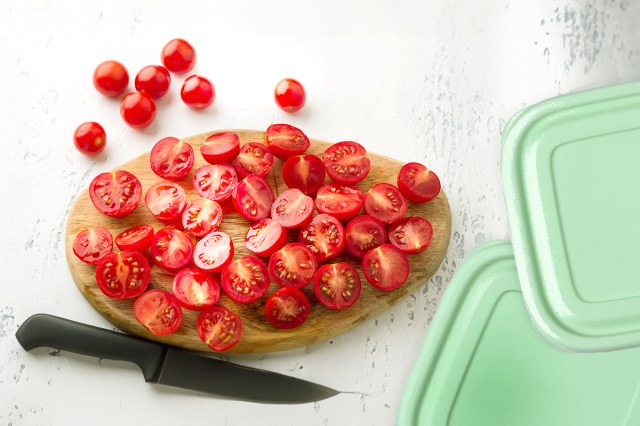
<point>258,334</point>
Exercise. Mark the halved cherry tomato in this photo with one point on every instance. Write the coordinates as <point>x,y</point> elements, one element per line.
<point>178,56</point>
<point>293,265</point>
<point>385,202</point>
<point>337,285</point>
<point>412,234</point>
<point>254,159</point>
<point>284,140</point>
<point>171,158</point>
<point>138,109</point>
<point>385,267</point>
<point>340,201</point>
<point>195,289</point>
<point>213,252</point>
<point>252,198</point>
<point>201,216</point>
<point>264,237</point>
<point>215,182</point>
<point>137,238</point>
<point>324,236</point>
<point>290,95</point>
<point>123,274</point>
<point>220,328</point>
<point>245,280</point>
<point>292,209</point>
<point>287,308</point>
<point>304,172</point>
<point>153,79</point>
<point>346,162</point>
<point>171,249</point>
<point>417,183</point>
<point>93,243</point>
<point>110,78</point>
<point>115,194</point>
<point>159,312</point>
<point>221,147</point>
<point>198,92</point>
<point>166,201</point>
<point>90,138</point>
<point>363,234</point>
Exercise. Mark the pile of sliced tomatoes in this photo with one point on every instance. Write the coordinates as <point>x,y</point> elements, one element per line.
<point>192,247</point>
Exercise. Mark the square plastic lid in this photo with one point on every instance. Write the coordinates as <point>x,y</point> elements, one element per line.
<point>571,175</point>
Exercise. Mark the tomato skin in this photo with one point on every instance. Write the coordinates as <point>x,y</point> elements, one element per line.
<point>198,92</point>
<point>201,217</point>
<point>417,183</point>
<point>337,285</point>
<point>166,201</point>
<point>115,194</point>
<point>215,182</point>
<point>284,140</point>
<point>213,252</point>
<point>290,95</point>
<point>171,158</point>
<point>245,280</point>
<point>346,162</point>
<point>254,159</point>
<point>195,289</point>
<point>324,236</point>
<point>110,78</point>
<point>154,80</point>
<point>90,138</point>
<point>264,237</point>
<point>90,245</point>
<point>293,265</point>
<point>171,249</point>
<point>138,109</point>
<point>116,271</point>
<point>412,234</point>
<point>304,172</point>
<point>287,308</point>
<point>385,202</point>
<point>252,198</point>
<point>221,147</point>
<point>340,201</point>
<point>137,238</point>
<point>385,267</point>
<point>158,311</point>
<point>219,327</point>
<point>292,209</point>
<point>178,56</point>
<point>364,233</point>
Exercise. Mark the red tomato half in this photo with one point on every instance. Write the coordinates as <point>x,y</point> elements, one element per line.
<point>90,138</point>
<point>363,234</point>
<point>159,312</point>
<point>252,198</point>
<point>417,183</point>
<point>340,201</point>
<point>178,56</point>
<point>171,249</point>
<point>264,237</point>
<point>138,109</point>
<point>93,243</point>
<point>254,159</point>
<point>171,158</point>
<point>221,147</point>
<point>290,95</point>
<point>245,280</point>
<point>385,267</point>
<point>220,328</point>
<point>324,236</point>
<point>287,308</point>
<point>137,238</point>
<point>115,194</point>
<point>292,209</point>
<point>337,285</point>
<point>412,234</point>
<point>304,172</point>
<point>166,201</point>
<point>195,289</point>
<point>213,252</point>
<point>123,274</point>
<point>153,79</point>
<point>293,265</point>
<point>284,140</point>
<point>110,78</point>
<point>215,182</point>
<point>201,216</point>
<point>385,202</point>
<point>346,162</point>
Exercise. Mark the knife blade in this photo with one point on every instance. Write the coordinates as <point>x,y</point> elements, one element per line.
<point>170,366</point>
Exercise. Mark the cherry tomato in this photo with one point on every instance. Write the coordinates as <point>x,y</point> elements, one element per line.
<point>195,289</point>
<point>158,311</point>
<point>324,236</point>
<point>290,95</point>
<point>110,78</point>
<point>171,158</point>
<point>166,201</point>
<point>254,159</point>
<point>292,209</point>
<point>284,140</point>
<point>363,234</point>
<point>201,216</point>
<point>137,238</point>
<point>337,285</point>
<point>412,234</point>
<point>90,138</point>
<point>115,194</point>
<point>245,280</point>
<point>417,183</point>
<point>252,198</point>
<point>154,80</point>
<point>197,92</point>
<point>123,274</point>
<point>171,249</point>
<point>178,56</point>
<point>346,162</point>
<point>304,172</point>
<point>138,109</point>
<point>213,252</point>
<point>264,237</point>
<point>220,328</point>
<point>293,265</point>
<point>93,243</point>
<point>287,308</point>
<point>221,147</point>
<point>340,201</point>
<point>215,182</point>
<point>385,267</point>
<point>385,202</point>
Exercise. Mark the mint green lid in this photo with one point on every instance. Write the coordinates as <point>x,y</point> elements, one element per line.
<point>571,175</point>
<point>484,363</point>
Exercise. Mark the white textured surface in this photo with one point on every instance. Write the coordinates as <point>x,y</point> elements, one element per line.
<point>433,81</point>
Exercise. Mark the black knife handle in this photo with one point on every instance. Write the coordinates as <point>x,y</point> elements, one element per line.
<point>42,330</point>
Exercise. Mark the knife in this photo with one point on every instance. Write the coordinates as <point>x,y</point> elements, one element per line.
<point>166,365</point>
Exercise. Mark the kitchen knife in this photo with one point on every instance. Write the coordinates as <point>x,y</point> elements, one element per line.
<point>170,366</point>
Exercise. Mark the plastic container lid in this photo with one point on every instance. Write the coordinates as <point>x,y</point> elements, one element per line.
<point>571,174</point>
<point>484,363</point>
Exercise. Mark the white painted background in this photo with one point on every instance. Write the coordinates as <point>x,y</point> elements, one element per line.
<point>433,81</point>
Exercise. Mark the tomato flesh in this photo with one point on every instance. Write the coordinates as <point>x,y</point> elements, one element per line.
<point>246,279</point>
<point>324,236</point>
<point>304,172</point>
<point>198,92</point>
<point>252,198</point>
<point>215,182</point>
<point>290,95</point>
<point>292,209</point>
<point>201,216</point>
<point>265,236</point>
<point>417,183</point>
<point>213,252</point>
<point>287,308</point>
<point>284,140</point>
<point>364,233</point>
<point>115,194</point>
<point>293,265</point>
<point>254,159</point>
<point>90,245</point>
<point>337,285</point>
<point>221,147</point>
<point>137,238</point>
<point>158,311</point>
<point>385,267</point>
<point>138,109</point>
<point>412,234</point>
<point>90,138</point>
<point>385,202</point>
<point>171,249</point>
<point>178,56</point>
<point>195,289</point>
<point>346,162</point>
<point>219,327</point>
<point>123,274</point>
<point>110,78</point>
<point>166,201</point>
<point>171,158</point>
<point>154,80</point>
<point>340,201</point>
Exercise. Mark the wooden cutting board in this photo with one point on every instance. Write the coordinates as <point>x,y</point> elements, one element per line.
<point>258,334</point>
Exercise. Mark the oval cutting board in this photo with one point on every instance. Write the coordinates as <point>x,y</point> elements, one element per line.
<point>258,334</point>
